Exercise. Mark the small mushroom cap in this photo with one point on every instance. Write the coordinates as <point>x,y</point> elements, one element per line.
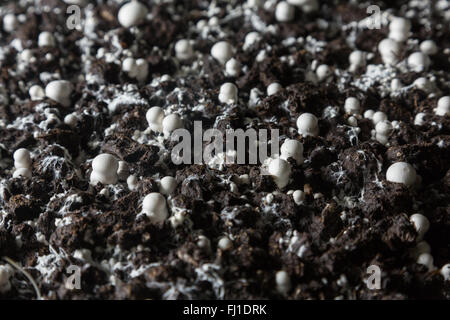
<point>131,14</point>
<point>307,124</point>
<point>222,51</point>
<point>105,164</point>
<point>154,201</point>
<point>401,172</point>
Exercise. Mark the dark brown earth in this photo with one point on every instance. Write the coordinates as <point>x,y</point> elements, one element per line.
<point>377,230</point>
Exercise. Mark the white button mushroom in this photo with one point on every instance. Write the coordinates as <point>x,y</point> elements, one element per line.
<point>155,117</point>
<point>399,29</point>
<point>10,22</point>
<point>129,66</point>
<point>443,106</point>
<point>428,47</point>
<point>104,169</point>
<point>284,12</point>
<point>155,207</point>
<point>250,39</point>
<point>399,23</point>
<point>352,106</point>
<point>421,224</point>
<point>142,69</point>
<point>46,39</point>
<point>292,149</point>
<point>183,49</point>
<point>22,163</point>
<point>368,114</point>
<point>356,59</point>
<point>233,67</point>
<point>36,92</point>
<point>401,172</point>
<point>419,119</point>
<point>283,282</point>
<point>379,116</point>
<point>167,185</point>
<point>225,243</point>
<point>418,61</point>
<point>445,271</point>
<point>132,182</point>
<point>352,121</point>
<point>383,129</point>
<point>323,72</point>
<point>22,158</point>
<point>280,170</point>
<point>170,123</point>
<point>273,88</point>
<point>299,196</point>
<point>228,93</point>
<point>389,50</point>
<point>307,124</point>
<point>71,120</point>
<point>427,260</point>
<point>59,91</point>
<point>132,14</point>
<point>203,242</point>
<point>222,51</point>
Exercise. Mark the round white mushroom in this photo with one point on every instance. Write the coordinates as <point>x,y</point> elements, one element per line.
<point>155,207</point>
<point>280,170</point>
<point>307,124</point>
<point>155,117</point>
<point>228,93</point>
<point>401,172</point>
<point>104,169</point>
<point>132,14</point>
<point>284,12</point>
<point>222,51</point>
<point>59,91</point>
<point>292,149</point>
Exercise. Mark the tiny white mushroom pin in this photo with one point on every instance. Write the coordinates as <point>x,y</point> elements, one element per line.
<point>307,124</point>
<point>280,170</point>
<point>283,282</point>
<point>222,51</point>
<point>167,185</point>
<point>170,123</point>
<point>228,93</point>
<point>443,106</point>
<point>155,117</point>
<point>183,49</point>
<point>155,207</point>
<point>104,169</point>
<point>352,106</point>
<point>59,91</point>
<point>421,224</point>
<point>292,149</point>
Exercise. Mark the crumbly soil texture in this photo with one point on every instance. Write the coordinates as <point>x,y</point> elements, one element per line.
<point>351,217</point>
